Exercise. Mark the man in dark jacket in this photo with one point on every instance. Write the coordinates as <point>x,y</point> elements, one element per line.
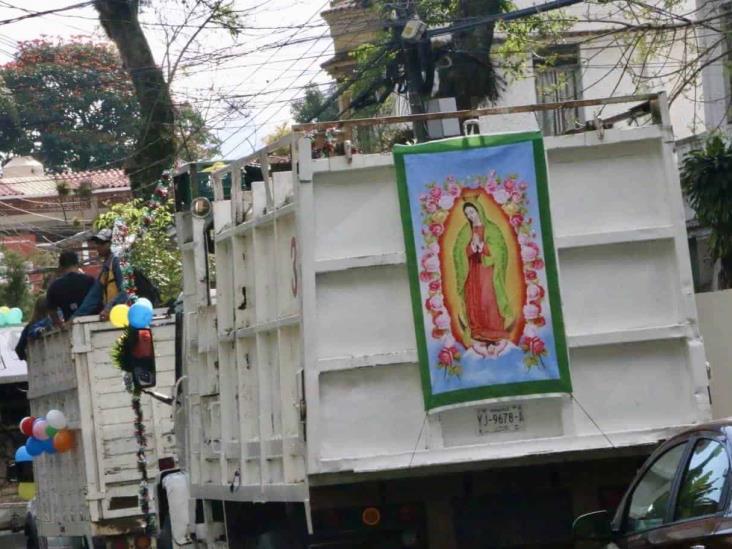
<point>68,291</point>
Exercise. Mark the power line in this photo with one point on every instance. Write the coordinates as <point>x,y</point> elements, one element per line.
<point>42,13</point>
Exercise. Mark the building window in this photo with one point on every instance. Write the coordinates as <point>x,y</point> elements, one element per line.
<point>558,78</point>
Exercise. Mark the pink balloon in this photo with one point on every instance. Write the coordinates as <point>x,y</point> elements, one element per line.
<point>39,429</point>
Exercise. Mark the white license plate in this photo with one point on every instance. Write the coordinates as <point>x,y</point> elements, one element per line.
<point>499,419</point>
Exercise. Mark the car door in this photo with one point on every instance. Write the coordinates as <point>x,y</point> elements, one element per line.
<point>646,508</point>
<point>683,509</point>
<point>699,500</point>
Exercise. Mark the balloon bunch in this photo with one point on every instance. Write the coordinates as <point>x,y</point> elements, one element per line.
<point>45,435</point>
<point>10,317</point>
<point>139,315</point>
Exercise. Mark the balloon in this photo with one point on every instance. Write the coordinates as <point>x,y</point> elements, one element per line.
<point>26,426</point>
<point>22,455</point>
<point>56,419</point>
<point>27,490</point>
<point>145,302</point>
<point>4,309</point>
<point>34,447</point>
<point>118,316</point>
<point>48,446</point>
<point>15,316</point>
<point>63,441</point>
<point>140,316</point>
<point>3,319</point>
<point>39,429</point>
<point>51,432</point>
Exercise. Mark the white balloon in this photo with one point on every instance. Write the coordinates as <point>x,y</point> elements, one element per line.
<point>56,419</point>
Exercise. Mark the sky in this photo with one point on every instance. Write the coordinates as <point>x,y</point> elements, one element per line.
<point>278,51</point>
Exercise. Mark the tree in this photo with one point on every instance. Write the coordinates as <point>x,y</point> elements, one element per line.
<point>72,105</point>
<point>705,178</point>
<point>278,133</point>
<point>156,146</point>
<point>14,287</point>
<point>633,46</point>
<point>154,253</point>
<point>312,106</point>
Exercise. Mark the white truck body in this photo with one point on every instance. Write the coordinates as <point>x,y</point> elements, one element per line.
<point>93,489</point>
<point>305,370</point>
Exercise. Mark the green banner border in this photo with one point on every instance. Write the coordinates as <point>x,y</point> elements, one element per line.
<point>561,385</point>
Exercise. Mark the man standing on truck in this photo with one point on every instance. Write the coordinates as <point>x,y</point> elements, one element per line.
<point>106,291</point>
<point>69,289</point>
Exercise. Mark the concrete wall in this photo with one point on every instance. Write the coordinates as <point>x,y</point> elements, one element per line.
<point>715,318</point>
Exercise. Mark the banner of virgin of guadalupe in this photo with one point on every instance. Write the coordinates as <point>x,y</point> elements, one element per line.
<point>483,269</point>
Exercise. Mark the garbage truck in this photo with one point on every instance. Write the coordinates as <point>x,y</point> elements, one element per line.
<point>327,399</point>
<point>91,494</point>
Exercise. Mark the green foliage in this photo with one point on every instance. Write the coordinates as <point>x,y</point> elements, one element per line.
<point>310,107</point>
<point>73,106</point>
<point>706,180</point>
<point>154,253</point>
<point>195,140</point>
<point>14,287</point>
<point>530,35</point>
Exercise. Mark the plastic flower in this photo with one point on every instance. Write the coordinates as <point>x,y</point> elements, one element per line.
<point>437,229</point>
<point>430,263</point>
<point>529,253</point>
<point>531,311</point>
<point>501,196</point>
<point>534,292</point>
<point>442,321</point>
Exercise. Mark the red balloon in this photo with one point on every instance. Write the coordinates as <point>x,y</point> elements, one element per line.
<point>26,426</point>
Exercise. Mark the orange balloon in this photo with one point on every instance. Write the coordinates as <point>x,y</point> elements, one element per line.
<point>63,441</point>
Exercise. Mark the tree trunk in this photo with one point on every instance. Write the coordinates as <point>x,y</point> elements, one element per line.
<point>156,146</point>
<point>472,77</point>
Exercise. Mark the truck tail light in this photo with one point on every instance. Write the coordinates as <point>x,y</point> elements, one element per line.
<point>143,347</point>
<point>371,516</point>
<point>142,542</point>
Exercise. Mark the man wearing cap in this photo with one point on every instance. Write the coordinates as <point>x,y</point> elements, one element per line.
<point>107,290</point>
<point>70,288</point>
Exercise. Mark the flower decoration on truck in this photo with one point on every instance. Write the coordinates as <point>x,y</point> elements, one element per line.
<point>481,266</point>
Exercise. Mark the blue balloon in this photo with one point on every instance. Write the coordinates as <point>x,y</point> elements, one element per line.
<point>140,316</point>
<point>144,302</point>
<point>15,316</point>
<point>34,447</point>
<point>22,455</point>
<point>48,446</point>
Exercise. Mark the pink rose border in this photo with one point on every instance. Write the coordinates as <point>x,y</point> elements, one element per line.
<point>435,205</point>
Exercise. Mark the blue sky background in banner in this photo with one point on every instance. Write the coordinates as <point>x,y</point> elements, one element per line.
<point>518,159</point>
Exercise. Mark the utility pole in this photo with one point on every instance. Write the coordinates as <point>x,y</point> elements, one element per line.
<point>413,68</point>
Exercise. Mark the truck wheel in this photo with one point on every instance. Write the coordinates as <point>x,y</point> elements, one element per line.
<point>165,537</point>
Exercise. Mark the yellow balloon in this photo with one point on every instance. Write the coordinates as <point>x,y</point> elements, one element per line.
<point>119,316</point>
<point>27,490</point>
<point>4,310</point>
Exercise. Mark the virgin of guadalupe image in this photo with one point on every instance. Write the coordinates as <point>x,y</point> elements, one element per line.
<point>480,256</point>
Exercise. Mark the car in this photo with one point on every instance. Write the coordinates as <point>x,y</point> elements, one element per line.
<point>679,498</point>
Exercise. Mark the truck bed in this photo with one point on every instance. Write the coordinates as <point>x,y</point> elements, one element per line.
<point>93,489</point>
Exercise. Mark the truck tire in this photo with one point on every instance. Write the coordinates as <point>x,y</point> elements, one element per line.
<point>165,537</point>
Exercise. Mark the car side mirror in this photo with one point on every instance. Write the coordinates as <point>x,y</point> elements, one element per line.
<point>595,526</point>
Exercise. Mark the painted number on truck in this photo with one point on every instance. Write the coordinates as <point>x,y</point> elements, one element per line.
<point>499,419</point>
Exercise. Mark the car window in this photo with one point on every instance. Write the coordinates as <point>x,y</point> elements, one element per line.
<point>701,488</point>
<point>649,502</point>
